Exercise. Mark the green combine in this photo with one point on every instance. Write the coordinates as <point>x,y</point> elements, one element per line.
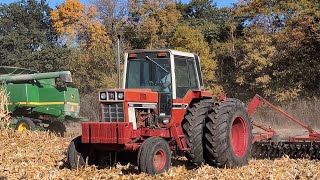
<point>40,100</point>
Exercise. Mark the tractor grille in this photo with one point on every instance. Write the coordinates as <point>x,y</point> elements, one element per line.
<point>113,112</point>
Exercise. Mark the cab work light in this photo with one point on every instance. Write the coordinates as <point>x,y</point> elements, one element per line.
<point>132,56</point>
<point>162,54</point>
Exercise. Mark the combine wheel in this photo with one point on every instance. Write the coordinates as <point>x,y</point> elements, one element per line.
<point>77,154</point>
<point>57,127</point>
<point>154,156</point>
<point>192,125</point>
<point>25,124</point>
<point>228,134</point>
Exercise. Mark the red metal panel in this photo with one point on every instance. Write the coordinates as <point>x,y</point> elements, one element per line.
<point>303,139</point>
<point>165,133</point>
<point>135,133</point>
<point>206,94</point>
<point>177,133</point>
<point>138,95</point>
<point>262,136</point>
<point>108,133</point>
<point>178,114</point>
<point>85,126</point>
<point>188,97</point>
<point>95,132</point>
<point>253,105</point>
<point>124,132</point>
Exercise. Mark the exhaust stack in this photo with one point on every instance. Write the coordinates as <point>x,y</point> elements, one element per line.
<point>118,61</point>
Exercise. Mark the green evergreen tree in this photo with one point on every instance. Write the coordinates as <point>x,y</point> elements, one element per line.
<point>27,38</point>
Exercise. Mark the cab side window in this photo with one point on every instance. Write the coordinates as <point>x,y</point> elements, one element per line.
<point>186,76</point>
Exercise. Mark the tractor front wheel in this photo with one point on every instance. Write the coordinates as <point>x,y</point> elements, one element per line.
<point>154,156</point>
<point>228,134</point>
<point>25,124</point>
<point>77,154</point>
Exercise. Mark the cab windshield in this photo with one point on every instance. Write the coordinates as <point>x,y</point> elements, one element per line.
<point>149,72</point>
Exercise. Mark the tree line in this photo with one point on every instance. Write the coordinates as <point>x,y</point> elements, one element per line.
<point>270,47</point>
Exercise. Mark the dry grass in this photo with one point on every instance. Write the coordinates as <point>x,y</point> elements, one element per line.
<point>4,112</point>
<point>40,155</point>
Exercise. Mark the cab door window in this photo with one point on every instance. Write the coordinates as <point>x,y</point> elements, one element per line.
<point>186,76</point>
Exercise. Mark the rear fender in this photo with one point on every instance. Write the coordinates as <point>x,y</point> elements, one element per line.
<point>180,106</point>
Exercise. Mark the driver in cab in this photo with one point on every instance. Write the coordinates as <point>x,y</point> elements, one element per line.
<point>165,81</point>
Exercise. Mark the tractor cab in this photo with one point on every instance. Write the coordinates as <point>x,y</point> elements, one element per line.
<point>168,72</point>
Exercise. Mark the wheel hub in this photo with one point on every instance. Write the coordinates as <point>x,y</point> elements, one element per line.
<point>159,160</point>
<point>22,127</point>
<point>239,136</point>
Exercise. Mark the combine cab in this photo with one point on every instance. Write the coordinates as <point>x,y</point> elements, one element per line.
<point>37,99</point>
<point>163,107</point>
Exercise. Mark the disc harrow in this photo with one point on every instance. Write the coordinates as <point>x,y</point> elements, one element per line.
<point>295,150</point>
<point>266,144</point>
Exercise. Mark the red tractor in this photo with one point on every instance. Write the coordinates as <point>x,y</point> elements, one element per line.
<point>162,108</point>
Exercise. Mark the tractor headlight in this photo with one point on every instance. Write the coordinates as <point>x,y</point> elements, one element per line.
<point>103,96</point>
<point>120,95</point>
<point>165,121</point>
<point>111,95</point>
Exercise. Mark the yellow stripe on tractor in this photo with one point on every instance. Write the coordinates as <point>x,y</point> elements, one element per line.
<point>44,103</point>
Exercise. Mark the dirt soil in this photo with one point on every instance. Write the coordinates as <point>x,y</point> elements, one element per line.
<point>41,155</point>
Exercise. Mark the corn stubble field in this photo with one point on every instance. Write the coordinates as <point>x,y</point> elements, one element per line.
<point>41,155</point>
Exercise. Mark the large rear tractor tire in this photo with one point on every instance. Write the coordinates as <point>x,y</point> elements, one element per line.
<point>228,134</point>
<point>193,125</point>
<point>77,154</point>
<point>58,128</point>
<point>154,156</point>
<point>25,124</point>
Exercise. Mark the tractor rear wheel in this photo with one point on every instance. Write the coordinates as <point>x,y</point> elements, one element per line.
<point>57,127</point>
<point>25,124</point>
<point>228,134</point>
<point>77,154</point>
<point>154,156</point>
<point>192,125</point>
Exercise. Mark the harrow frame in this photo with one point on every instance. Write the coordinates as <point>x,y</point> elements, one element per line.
<point>266,145</point>
<point>269,133</point>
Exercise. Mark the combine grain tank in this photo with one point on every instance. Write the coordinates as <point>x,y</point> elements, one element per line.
<point>40,99</point>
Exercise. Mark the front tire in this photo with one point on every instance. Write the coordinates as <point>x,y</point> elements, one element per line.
<point>25,124</point>
<point>228,134</point>
<point>154,156</point>
<point>77,154</point>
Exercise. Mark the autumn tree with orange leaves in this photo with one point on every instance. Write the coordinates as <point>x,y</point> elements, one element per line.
<point>79,25</point>
<point>92,59</point>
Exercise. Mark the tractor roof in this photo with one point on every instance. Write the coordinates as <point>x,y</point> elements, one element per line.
<point>174,52</point>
